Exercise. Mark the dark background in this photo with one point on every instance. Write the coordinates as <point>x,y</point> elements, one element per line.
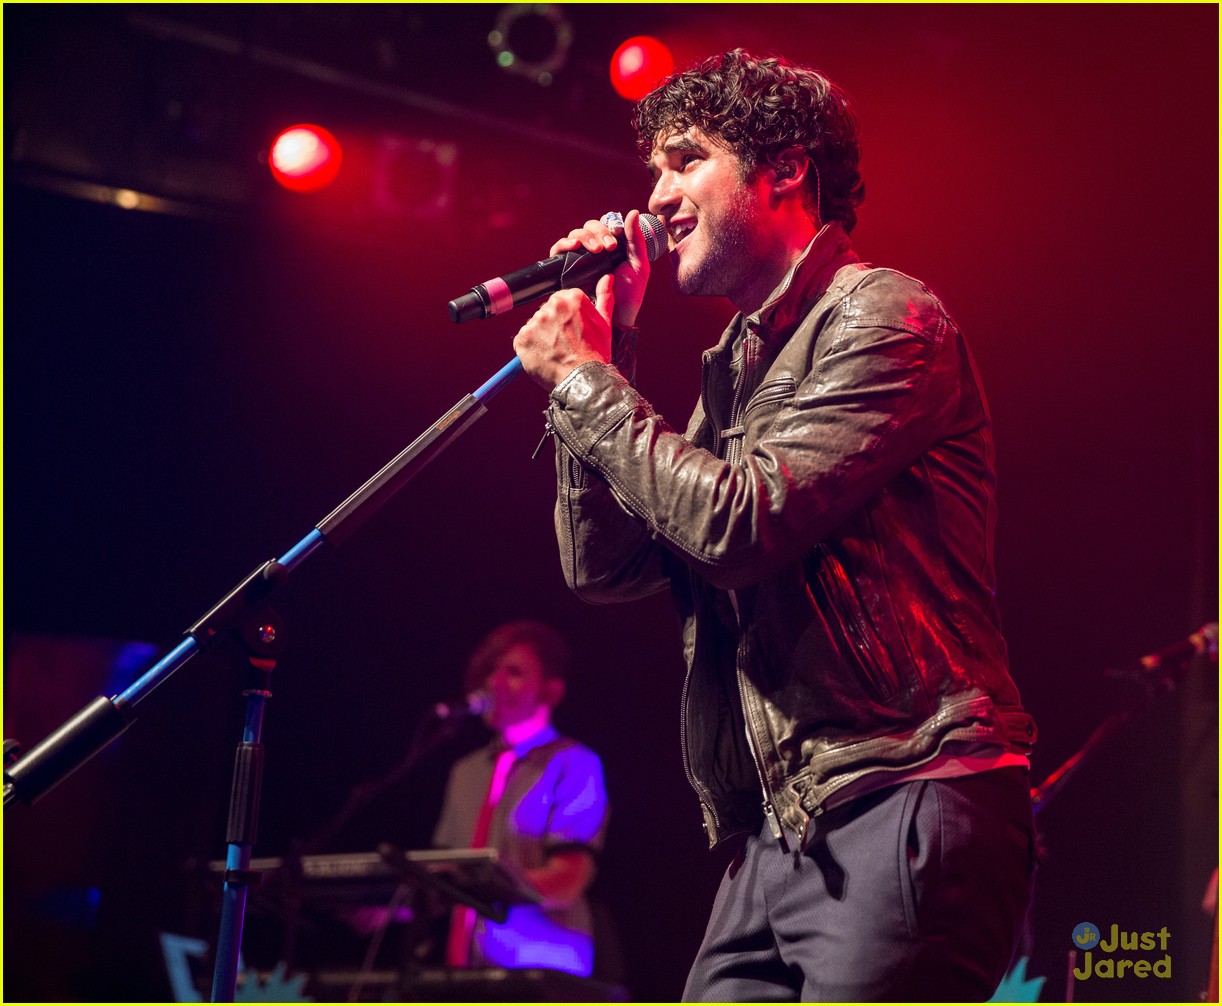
<point>189,390</point>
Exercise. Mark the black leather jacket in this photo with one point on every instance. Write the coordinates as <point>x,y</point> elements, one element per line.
<point>825,526</point>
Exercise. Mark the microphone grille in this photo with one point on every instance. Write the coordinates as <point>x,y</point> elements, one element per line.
<point>655,235</point>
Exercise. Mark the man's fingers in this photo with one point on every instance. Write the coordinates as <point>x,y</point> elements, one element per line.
<point>594,236</point>
<point>565,245</point>
<point>638,249</point>
<point>604,296</point>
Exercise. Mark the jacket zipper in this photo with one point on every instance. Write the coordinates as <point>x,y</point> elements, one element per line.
<point>734,447</point>
<point>702,792</point>
<point>733,455</point>
<point>548,431</point>
<point>706,370</point>
<point>734,452</point>
<point>773,391</point>
<point>774,824</point>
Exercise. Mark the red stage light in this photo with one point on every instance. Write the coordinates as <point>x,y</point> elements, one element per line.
<point>638,65</point>
<point>305,158</point>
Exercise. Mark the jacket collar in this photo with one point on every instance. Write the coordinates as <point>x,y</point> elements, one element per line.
<point>807,280</point>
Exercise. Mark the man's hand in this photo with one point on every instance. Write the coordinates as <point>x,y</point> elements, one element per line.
<point>563,878</point>
<point>630,277</point>
<point>567,331</point>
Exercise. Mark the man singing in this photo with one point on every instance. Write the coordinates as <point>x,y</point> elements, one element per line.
<point>825,525</point>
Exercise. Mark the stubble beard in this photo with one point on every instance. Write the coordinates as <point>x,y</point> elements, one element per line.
<point>727,260</point>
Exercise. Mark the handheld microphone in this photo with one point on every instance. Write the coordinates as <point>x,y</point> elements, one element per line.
<point>581,269</point>
<point>475,704</point>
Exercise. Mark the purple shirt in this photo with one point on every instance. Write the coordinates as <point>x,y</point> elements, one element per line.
<point>554,798</point>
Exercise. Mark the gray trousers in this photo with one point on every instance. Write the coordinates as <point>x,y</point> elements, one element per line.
<point>914,893</point>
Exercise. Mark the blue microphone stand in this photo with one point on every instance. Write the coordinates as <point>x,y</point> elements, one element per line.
<point>243,613</point>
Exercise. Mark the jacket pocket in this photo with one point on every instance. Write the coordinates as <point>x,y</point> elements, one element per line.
<point>864,648</point>
<point>779,390</point>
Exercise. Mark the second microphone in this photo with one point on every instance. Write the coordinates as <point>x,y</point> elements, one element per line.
<point>575,269</point>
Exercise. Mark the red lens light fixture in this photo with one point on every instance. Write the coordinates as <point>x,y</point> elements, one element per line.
<point>638,65</point>
<point>305,158</point>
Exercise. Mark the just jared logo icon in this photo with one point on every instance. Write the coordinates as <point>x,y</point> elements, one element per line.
<point>1087,937</point>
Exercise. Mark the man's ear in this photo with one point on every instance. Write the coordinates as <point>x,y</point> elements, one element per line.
<point>789,169</point>
<point>553,692</point>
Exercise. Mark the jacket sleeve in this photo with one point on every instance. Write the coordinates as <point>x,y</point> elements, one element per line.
<point>607,552</point>
<point>883,385</point>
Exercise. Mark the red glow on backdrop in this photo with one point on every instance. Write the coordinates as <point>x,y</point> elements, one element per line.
<point>638,65</point>
<point>305,158</point>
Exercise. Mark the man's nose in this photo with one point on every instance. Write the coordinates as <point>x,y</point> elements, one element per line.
<point>665,197</point>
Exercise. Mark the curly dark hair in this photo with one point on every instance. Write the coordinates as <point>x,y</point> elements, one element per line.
<point>759,107</point>
<point>547,644</point>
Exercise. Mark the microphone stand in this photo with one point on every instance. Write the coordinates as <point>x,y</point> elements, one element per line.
<point>364,793</point>
<point>424,742</point>
<point>1163,677</point>
<point>243,613</point>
